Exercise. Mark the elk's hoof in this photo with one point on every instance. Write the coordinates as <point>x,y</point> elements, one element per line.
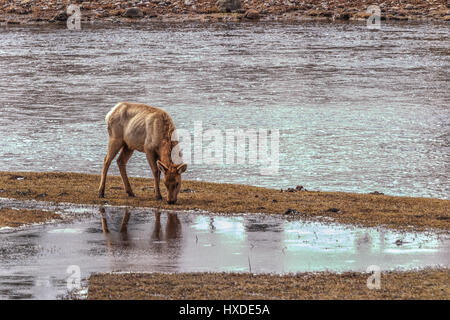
<point>158,197</point>
<point>101,195</point>
<point>131,194</point>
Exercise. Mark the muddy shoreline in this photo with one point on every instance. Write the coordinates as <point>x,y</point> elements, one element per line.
<point>423,284</point>
<point>16,218</point>
<point>371,210</point>
<point>145,11</point>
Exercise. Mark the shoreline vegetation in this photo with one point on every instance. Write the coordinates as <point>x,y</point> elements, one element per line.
<point>370,210</point>
<point>144,11</point>
<point>421,284</point>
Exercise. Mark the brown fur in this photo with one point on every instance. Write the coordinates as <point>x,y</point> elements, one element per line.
<point>136,126</point>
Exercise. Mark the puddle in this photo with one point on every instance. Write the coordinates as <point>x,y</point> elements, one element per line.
<point>37,261</point>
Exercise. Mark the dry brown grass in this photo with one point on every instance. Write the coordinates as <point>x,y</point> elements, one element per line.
<point>364,209</point>
<point>16,218</point>
<point>425,284</point>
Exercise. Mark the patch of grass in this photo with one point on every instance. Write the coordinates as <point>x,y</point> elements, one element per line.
<point>363,209</point>
<point>424,284</point>
<point>16,218</point>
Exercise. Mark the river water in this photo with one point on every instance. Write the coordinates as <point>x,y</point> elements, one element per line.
<point>357,110</point>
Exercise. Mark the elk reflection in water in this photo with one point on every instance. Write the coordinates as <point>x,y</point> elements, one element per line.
<point>122,239</point>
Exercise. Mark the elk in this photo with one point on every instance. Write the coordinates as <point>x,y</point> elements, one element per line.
<point>136,126</point>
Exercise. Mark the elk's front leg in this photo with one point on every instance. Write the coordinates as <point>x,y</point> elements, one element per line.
<point>122,161</point>
<point>151,158</point>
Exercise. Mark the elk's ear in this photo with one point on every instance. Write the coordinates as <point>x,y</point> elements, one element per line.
<point>161,166</point>
<point>182,168</point>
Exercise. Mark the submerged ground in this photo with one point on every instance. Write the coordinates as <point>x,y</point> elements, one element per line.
<point>364,209</point>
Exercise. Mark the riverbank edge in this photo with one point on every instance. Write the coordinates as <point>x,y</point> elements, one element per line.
<point>400,285</point>
<point>13,218</point>
<point>52,11</point>
<point>287,17</point>
<point>370,210</point>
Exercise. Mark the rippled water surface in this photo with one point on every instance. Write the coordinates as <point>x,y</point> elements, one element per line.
<point>357,110</point>
<point>36,262</point>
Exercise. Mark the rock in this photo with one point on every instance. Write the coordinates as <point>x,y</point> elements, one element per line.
<point>133,13</point>
<point>251,14</point>
<point>228,5</point>
<point>335,210</point>
<point>313,13</point>
<point>24,193</point>
<point>376,193</point>
<point>345,16</point>
<point>61,16</point>
<point>399,18</point>
<point>363,15</point>
<point>299,188</point>
<point>291,211</point>
<point>14,177</point>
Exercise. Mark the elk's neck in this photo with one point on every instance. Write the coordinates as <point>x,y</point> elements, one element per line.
<point>165,154</point>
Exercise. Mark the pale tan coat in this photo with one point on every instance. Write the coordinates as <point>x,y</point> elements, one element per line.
<point>136,126</point>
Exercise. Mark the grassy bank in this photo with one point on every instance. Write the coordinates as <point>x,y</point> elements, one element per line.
<point>364,209</point>
<point>17,218</point>
<point>425,284</point>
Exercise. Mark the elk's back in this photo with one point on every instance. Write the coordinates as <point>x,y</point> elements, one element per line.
<point>139,125</point>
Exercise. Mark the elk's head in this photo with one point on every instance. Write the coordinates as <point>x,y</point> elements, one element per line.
<point>172,179</point>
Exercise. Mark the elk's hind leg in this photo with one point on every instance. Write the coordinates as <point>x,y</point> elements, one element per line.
<point>114,146</point>
<point>122,161</point>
